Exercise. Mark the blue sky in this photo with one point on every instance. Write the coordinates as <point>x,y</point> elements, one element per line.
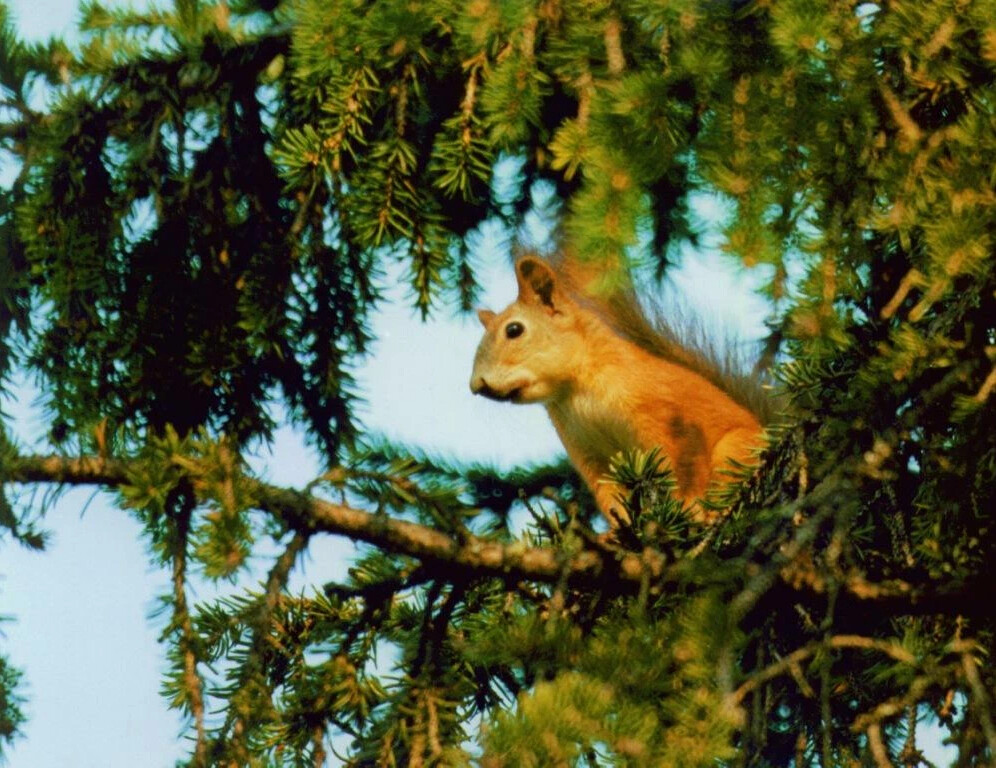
<point>82,631</point>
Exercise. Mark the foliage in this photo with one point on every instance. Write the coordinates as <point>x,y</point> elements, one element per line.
<point>206,197</point>
<point>11,716</point>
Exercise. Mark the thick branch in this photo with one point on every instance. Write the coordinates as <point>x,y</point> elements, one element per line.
<point>85,470</point>
<point>474,557</point>
<point>470,557</point>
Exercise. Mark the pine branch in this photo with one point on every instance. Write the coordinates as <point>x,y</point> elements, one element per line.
<point>192,682</point>
<point>234,734</point>
<point>788,663</point>
<point>471,557</point>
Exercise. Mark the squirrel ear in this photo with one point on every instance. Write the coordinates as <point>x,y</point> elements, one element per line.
<point>537,283</point>
<point>486,316</point>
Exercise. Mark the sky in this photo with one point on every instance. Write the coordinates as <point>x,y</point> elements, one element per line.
<point>81,627</point>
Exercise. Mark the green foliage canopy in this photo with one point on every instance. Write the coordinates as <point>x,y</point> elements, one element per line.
<point>203,204</point>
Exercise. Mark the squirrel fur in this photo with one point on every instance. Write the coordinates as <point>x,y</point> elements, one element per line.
<point>604,391</point>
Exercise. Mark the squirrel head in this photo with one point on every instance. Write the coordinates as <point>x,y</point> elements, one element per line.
<point>531,350</point>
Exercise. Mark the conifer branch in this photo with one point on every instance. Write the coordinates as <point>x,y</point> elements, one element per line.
<point>898,597</point>
<point>172,277</point>
<point>381,591</point>
<point>907,125</point>
<point>613,46</point>
<point>469,558</point>
<point>192,683</point>
<point>318,747</point>
<point>878,749</point>
<point>786,664</point>
<point>894,707</point>
<point>528,43</point>
<point>980,700</point>
<point>235,732</point>
<point>987,387</point>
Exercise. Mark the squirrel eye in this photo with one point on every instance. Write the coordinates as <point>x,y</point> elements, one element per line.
<point>514,330</point>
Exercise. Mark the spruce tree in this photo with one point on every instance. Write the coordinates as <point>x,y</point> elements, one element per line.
<point>203,199</point>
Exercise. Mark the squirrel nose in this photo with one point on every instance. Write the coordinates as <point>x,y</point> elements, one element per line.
<point>480,387</point>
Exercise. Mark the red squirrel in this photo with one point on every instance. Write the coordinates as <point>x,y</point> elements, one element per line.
<point>604,390</point>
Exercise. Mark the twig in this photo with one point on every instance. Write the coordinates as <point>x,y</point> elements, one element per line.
<point>983,709</point>
<point>877,746</point>
<point>907,125</point>
<point>422,653</point>
<point>318,747</point>
<point>432,731</point>
<point>912,279</point>
<point>380,591</point>
<point>786,663</point>
<point>910,755</point>
<point>906,598</point>
<point>800,750</point>
<point>894,706</point>
<point>987,387</point>
<point>181,621</point>
<point>826,714</point>
<point>440,624</point>
<point>276,581</point>
<point>615,58</point>
<point>800,680</point>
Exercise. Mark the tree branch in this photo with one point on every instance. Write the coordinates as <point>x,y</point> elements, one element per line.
<point>475,557</point>
<point>906,598</point>
<point>470,557</point>
<point>785,665</point>
<point>184,627</point>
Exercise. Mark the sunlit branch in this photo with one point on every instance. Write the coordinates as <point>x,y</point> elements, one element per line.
<point>449,558</point>
<point>470,557</point>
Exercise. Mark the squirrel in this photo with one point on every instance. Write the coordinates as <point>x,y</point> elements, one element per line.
<point>611,382</point>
